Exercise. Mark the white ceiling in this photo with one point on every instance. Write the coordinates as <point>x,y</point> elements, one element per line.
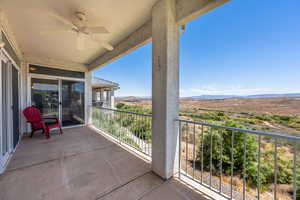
<point>27,18</point>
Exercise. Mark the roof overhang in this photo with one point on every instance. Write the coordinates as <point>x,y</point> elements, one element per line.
<point>130,27</point>
<point>102,83</point>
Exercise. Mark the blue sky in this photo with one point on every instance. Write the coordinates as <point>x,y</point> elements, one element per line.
<point>244,47</point>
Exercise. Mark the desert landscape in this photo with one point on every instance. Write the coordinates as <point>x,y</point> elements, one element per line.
<point>280,114</point>
<point>268,114</point>
<point>280,106</point>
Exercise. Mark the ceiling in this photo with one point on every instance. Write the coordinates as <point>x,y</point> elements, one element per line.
<point>28,18</point>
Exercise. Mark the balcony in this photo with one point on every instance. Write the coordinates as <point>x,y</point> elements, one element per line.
<point>229,161</point>
<point>83,164</point>
<point>112,160</point>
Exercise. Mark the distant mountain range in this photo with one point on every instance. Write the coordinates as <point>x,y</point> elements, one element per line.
<point>247,96</point>
<point>137,98</point>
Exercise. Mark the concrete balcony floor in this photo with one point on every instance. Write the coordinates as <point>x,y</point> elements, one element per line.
<point>82,164</point>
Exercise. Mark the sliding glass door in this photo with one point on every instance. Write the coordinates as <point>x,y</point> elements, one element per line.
<point>9,109</point>
<point>4,134</point>
<point>15,105</point>
<point>72,93</point>
<point>60,98</point>
<point>45,96</point>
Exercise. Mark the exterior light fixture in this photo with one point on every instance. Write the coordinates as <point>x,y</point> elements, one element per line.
<point>182,28</point>
<point>2,44</point>
<point>33,68</point>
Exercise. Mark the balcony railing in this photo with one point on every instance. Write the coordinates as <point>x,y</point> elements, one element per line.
<point>133,129</point>
<point>234,162</point>
<point>239,163</point>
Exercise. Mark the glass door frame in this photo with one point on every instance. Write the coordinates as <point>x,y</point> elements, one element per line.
<point>4,56</point>
<point>59,79</point>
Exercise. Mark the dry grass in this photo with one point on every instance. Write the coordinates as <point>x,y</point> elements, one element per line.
<point>279,106</point>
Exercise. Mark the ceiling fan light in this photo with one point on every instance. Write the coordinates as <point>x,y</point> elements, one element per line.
<point>2,43</point>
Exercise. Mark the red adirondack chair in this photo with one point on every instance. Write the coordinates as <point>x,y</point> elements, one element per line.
<point>33,116</point>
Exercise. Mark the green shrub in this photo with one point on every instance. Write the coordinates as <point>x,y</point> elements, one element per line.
<point>120,105</point>
<point>263,117</point>
<point>142,129</point>
<point>266,162</point>
<point>238,150</point>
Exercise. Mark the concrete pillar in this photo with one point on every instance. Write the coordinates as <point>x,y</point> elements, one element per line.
<point>112,99</point>
<point>24,96</point>
<point>101,95</point>
<point>165,87</point>
<point>88,97</point>
<point>94,95</point>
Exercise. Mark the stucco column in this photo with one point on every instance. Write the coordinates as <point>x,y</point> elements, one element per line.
<point>94,95</point>
<point>112,99</point>
<point>101,95</point>
<point>165,87</point>
<point>88,97</point>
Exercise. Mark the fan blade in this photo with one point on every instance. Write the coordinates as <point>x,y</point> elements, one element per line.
<point>97,29</point>
<point>63,20</point>
<point>47,32</point>
<point>80,41</point>
<point>106,45</point>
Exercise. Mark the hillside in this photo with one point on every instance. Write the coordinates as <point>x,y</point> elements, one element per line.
<point>280,105</point>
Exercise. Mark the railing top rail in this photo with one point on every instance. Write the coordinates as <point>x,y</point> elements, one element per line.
<point>123,111</point>
<point>278,135</point>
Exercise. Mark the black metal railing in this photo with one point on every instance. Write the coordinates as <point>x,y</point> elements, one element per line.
<point>239,163</point>
<point>133,129</point>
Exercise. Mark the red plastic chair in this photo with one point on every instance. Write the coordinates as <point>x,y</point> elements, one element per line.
<point>33,116</point>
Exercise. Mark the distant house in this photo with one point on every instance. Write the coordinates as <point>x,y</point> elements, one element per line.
<point>103,92</point>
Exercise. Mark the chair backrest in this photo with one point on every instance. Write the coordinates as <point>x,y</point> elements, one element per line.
<point>32,114</point>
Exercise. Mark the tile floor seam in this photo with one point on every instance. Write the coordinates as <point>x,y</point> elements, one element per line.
<point>164,182</point>
<point>150,191</point>
<point>121,186</point>
<point>113,170</point>
<point>180,193</point>
<point>55,159</point>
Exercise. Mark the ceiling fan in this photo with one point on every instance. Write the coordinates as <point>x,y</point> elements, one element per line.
<point>82,29</point>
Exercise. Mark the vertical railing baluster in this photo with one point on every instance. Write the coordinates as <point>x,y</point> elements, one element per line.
<point>295,172</point>
<point>144,133</point>
<point>194,151</point>
<point>138,132</point>
<point>210,157</point>
<point>275,169</point>
<point>121,126</point>
<point>121,129</point>
<point>244,166</point>
<point>202,148</point>
<point>126,130</point>
<point>186,148</point>
<point>101,117</point>
<point>179,153</point>
<point>221,160</point>
<point>144,144</point>
<point>258,167</point>
<point>149,144</point>
<point>98,116</point>
<point>232,164</point>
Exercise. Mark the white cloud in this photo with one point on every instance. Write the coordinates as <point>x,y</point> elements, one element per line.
<point>213,89</point>
<point>230,90</point>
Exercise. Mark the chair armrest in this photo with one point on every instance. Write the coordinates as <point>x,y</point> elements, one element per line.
<point>54,118</point>
<point>36,121</point>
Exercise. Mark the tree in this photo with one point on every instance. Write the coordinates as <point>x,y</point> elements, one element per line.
<point>222,147</point>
